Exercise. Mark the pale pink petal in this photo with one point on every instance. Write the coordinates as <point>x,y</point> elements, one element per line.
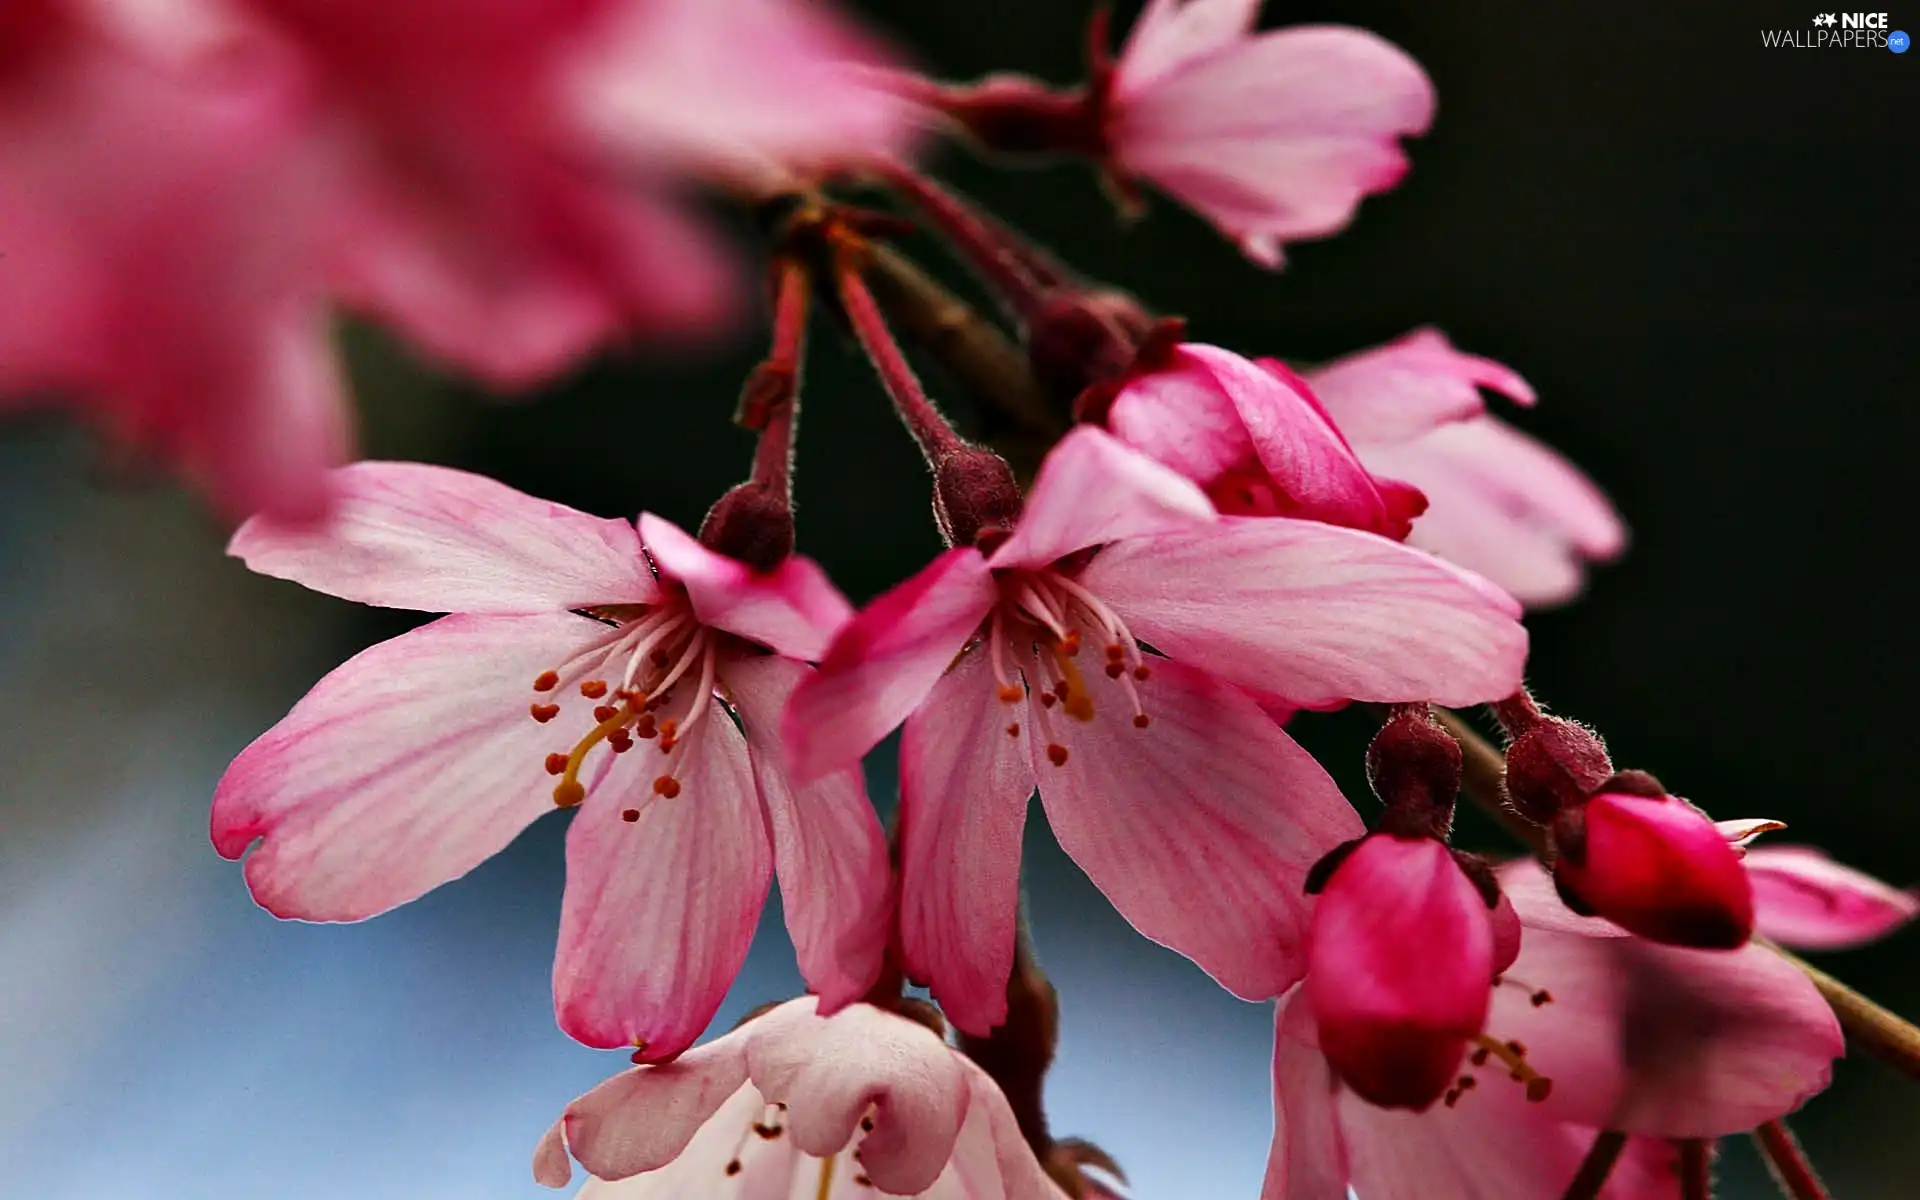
<point>659,909</point>
<point>1210,785</point>
<point>1398,969</point>
<point>1169,33</point>
<point>407,766</point>
<point>1409,387</point>
<point>643,1119</point>
<point>1314,614</point>
<point>551,1166</point>
<point>965,780</point>
<point>1179,418</point>
<point>1803,898</point>
<point>722,1160</point>
<point>991,1159</point>
<point>409,535</point>
<point>828,849</point>
<point>1308,1159</point>
<point>882,663</point>
<point>793,609</point>
<point>829,1071</point>
<point>1092,489</point>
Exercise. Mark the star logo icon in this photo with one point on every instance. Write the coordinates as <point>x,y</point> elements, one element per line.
<point>1823,19</point>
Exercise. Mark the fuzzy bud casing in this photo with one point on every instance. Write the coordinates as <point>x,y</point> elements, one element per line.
<point>752,523</point>
<point>1555,765</point>
<point>974,496</point>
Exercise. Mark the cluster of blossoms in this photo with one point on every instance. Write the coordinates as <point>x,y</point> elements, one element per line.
<point>1211,545</point>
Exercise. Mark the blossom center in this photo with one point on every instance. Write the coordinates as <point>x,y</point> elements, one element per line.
<point>1056,615</point>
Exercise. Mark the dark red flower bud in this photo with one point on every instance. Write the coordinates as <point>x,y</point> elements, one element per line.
<point>1014,114</point>
<point>1655,866</point>
<point>1080,338</point>
<point>1555,765</point>
<point>752,523</point>
<point>1414,766</point>
<point>975,497</point>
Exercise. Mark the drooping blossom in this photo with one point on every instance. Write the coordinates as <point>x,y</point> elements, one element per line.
<point>1589,1029</point>
<point>795,1103</point>
<point>1805,899</point>
<point>1256,440</point>
<point>1023,664</point>
<point>1499,502</point>
<point>157,240</point>
<point>587,664</point>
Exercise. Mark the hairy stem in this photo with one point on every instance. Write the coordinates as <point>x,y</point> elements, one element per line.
<point>930,430</point>
<point>990,249</point>
<point>1696,1169</point>
<point>1596,1166</point>
<point>1788,1162</point>
<point>772,399</point>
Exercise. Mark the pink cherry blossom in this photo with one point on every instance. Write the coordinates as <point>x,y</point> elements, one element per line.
<point>159,264</point>
<point>1803,898</point>
<point>1499,502</point>
<point>614,658</point>
<point>1273,137</point>
<point>1256,440</point>
<point>796,1103</point>
<point>1656,866</point>
<point>1146,763</point>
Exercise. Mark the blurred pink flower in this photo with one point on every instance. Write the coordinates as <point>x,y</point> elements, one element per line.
<point>423,756</point>
<point>1803,898</point>
<point>1499,502</point>
<point>1146,764</point>
<point>1273,137</point>
<point>1257,441</point>
<point>792,1103</point>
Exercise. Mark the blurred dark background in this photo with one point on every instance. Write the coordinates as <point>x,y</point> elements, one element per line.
<point>1701,252</point>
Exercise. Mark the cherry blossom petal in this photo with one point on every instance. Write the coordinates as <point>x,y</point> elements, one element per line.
<point>659,909</point>
<point>992,1159</point>
<point>1210,785</point>
<point>1178,418</point>
<point>830,1071</point>
<point>410,535</point>
<point>643,1119</point>
<point>1410,387</point>
<point>551,1166</point>
<point>793,609</point>
<point>882,663</point>
<point>1526,886</point>
<point>407,766</point>
<point>1093,488</point>
<point>1308,1159</point>
<point>1398,968</point>
<point>1170,33</point>
<point>829,852</point>
<point>1315,614</point>
<point>964,785</point>
<point>1803,898</point>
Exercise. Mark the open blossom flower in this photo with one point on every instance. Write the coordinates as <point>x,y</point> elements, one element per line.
<point>159,272</point>
<point>587,664</point>
<point>1257,441</point>
<point>1591,1029</point>
<point>1146,762</point>
<point>1803,898</point>
<point>1499,502</point>
<point>793,1103</point>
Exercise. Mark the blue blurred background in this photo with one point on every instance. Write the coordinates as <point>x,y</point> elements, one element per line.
<point>1701,252</point>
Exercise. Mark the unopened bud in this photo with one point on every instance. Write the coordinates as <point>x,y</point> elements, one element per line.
<point>1555,765</point>
<point>1080,338</point>
<point>1655,866</point>
<point>975,498</point>
<point>752,523</point>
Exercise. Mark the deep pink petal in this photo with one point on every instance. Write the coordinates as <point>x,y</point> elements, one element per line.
<point>1657,867</point>
<point>793,609</point>
<point>1308,1159</point>
<point>1803,898</point>
<point>828,1071</point>
<point>1093,489</point>
<point>965,780</point>
<point>1410,387</point>
<point>643,1119</point>
<point>1179,417</point>
<point>882,663</point>
<point>409,535</point>
<point>829,852</point>
<point>406,767</point>
<point>1209,785</point>
<point>1398,969</point>
<point>659,909</point>
<point>1314,614</point>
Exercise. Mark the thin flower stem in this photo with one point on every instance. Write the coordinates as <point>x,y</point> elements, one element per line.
<point>930,430</point>
<point>1696,1168</point>
<point>778,401</point>
<point>1596,1166</point>
<point>1871,1027</point>
<point>1788,1162</point>
<point>989,248</point>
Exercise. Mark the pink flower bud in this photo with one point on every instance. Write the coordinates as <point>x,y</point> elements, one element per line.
<point>1398,969</point>
<point>1657,867</point>
<point>1555,765</point>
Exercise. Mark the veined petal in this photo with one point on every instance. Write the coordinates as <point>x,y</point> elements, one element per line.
<point>882,663</point>
<point>1170,33</point>
<point>830,1071</point>
<point>1092,489</point>
<point>724,1160</point>
<point>1803,898</point>
<point>1209,784</point>
<point>660,908</point>
<point>1409,387</point>
<point>793,609</point>
<point>991,1159</point>
<point>1314,614</point>
<point>1308,1160</point>
<point>965,779</point>
<point>1177,416</point>
<point>643,1119</point>
<point>407,766</point>
<point>829,852</point>
<point>409,535</point>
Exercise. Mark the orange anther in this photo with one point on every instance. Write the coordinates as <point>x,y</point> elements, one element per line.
<point>667,786</point>
<point>548,681</point>
<point>1013,730</point>
<point>1047,700</point>
<point>1115,670</point>
<point>1141,673</point>
<point>543,712</point>
<point>568,793</point>
<point>556,764</point>
<point>1070,644</point>
<point>1009,693</point>
<point>1057,754</point>
<point>630,815</point>
<point>1141,720</point>
<point>1539,1088</point>
<point>593,689</point>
